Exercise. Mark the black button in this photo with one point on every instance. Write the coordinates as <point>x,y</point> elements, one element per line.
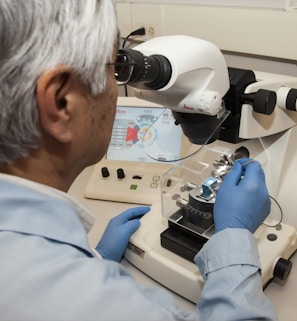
<point>272,237</point>
<point>104,172</point>
<point>136,177</point>
<point>120,173</point>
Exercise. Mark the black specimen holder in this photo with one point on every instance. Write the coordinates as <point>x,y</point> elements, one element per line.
<point>181,241</point>
<point>186,228</point>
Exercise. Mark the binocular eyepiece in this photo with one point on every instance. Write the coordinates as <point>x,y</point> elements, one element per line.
<point>132,67</point>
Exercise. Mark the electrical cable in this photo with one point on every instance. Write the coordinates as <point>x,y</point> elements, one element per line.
<point>281,214</point>
<point>137,32</point>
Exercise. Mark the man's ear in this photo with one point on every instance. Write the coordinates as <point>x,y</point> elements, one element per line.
<point>53,86</point>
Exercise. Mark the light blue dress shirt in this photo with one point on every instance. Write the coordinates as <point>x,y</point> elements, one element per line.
<point>49,272</point>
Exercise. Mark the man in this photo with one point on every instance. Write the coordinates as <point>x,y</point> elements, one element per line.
<point>57,105</point>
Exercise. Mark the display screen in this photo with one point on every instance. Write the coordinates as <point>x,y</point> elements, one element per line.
<point>145,134</point>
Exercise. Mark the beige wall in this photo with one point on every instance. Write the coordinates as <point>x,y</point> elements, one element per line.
<point>251,38</point>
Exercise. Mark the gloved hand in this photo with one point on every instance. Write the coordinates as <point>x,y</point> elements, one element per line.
<point>242,201</point>
<point>115,238</point>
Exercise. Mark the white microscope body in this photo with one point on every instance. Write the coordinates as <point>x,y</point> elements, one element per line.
<point>197,83</point>
<point>212,103</point>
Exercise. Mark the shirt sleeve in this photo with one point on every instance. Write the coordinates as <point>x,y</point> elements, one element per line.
<point>229,263</point>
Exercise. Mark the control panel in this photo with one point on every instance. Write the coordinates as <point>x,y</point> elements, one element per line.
<point>138,184</point>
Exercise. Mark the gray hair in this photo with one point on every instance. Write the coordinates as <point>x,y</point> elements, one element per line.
<point>36,35</point>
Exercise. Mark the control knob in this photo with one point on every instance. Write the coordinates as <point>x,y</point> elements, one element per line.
<point>282,269</point>
<point>263,101</point>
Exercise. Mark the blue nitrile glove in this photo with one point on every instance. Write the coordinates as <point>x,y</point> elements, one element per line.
<point>242,201</point>
<point>115,238</point>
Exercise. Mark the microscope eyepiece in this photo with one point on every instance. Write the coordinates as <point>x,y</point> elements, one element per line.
<point>133,67</point>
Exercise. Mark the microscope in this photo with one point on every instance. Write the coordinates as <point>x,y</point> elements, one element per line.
<point>226,114</point>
